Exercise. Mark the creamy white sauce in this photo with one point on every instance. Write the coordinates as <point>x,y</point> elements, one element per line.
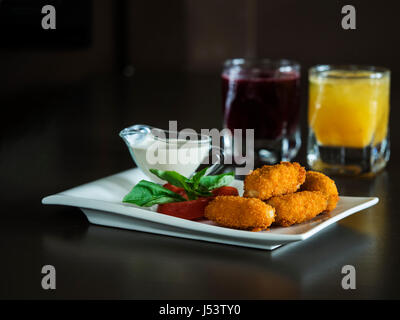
<point>183,156</point>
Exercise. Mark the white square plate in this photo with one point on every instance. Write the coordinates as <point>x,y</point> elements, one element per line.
<point>101,202</point>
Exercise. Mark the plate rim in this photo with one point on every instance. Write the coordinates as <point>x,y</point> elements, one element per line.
<point>148,215</point>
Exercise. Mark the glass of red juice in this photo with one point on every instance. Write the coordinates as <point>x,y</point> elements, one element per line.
<point>263,95</point>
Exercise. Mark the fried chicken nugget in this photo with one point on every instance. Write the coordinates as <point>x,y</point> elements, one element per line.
<point>297,207</point>
<point>316,181</point>
<point>241,213</point>
<point>269,181</point>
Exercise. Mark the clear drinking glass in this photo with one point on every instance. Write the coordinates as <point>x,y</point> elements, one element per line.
<point>263,95</point>
<point>348,118</point>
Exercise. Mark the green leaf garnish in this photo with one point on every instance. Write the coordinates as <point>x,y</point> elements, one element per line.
<point>172,177</point>
<point>196,178</point>
<point>147,194</point>
<point>177,180</point>
<point>212,182</point>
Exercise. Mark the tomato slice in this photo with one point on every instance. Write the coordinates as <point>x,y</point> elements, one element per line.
<point>193,209</point>
<point>176,189</point>
<point>225,191</point>
<point>222,191</point>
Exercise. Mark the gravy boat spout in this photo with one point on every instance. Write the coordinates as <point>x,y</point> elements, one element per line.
<point>134,132</point>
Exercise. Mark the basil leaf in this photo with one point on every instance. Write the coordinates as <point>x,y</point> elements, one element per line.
<point>172,177</point>
<point>147,194</point>
<point>160,200</point>
<point>196,178</point>
<point>177,180</point>
<point>213,182</point>
<point>202,193</point>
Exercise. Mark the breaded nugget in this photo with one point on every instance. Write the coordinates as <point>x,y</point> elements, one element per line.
<point>316,181</point>
<point>297,207</point>
<point>241,213</point>
<point>269,181</point>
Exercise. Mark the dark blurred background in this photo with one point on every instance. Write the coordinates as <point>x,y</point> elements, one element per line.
<point>111,37</point>
<point>66,93</point>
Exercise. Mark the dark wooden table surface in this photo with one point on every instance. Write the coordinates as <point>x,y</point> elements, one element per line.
<point>56,138</point>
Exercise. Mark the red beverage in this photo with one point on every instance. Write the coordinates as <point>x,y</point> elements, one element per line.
<point>264,95</point>
<point>268,103</point>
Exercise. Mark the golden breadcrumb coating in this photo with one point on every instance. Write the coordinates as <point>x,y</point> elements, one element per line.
<point>316,181</point>
<point>269,181</point>
<point>298,207</point>
<point>241,213</point>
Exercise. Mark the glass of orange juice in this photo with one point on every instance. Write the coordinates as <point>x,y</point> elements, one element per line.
<point>348,118</point>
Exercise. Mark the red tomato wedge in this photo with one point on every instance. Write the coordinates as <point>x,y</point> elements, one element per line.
<point>225,191</point>
<point>222,191</point>
<point>176,189</point>
<point>193,209</point>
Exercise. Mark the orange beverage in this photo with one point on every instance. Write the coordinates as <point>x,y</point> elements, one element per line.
<point>348,114</point>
